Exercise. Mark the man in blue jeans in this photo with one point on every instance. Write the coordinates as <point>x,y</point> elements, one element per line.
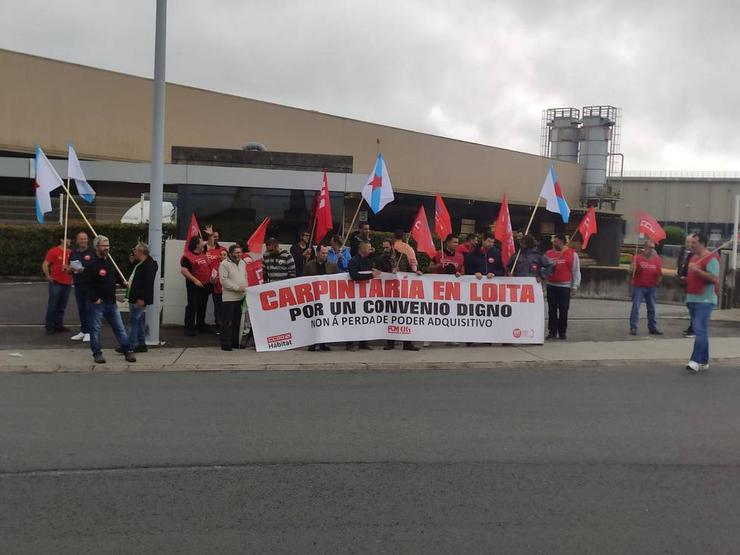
<point>80,259</point>
<point>647,272</point>
<point>56,271</point>
<point>139,294</point>
<point>100,278</point>
<point>702,281</point>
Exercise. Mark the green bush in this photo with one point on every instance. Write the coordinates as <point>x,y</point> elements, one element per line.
<point>674,235</point>
<point>24,246</point>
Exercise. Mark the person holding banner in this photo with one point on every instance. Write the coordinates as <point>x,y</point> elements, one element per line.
<point>392,261</point>
<point>702,286</point>
<point>361,269</point>
<point>196,270</point>
<point>56,271</point>
<point>232,273</point>
<point>561,284</point>
<point>448,260</point>
<point>484,260</point>
<point>320,266</point>
<point>647,272</point>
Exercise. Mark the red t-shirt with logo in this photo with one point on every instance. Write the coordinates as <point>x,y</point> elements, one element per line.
<point>54,259</point>
<point>446,259</point>
<point>648,271</point>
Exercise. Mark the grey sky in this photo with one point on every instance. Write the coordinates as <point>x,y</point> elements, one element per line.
<point>474,70</point>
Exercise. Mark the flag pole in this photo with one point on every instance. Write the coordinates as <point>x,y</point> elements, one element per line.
<point>572,237</point>
<point>526,231</point>
<point>95,233</point>
<point>352,223</point>
<point>634,262</point>
<point>66,225</point>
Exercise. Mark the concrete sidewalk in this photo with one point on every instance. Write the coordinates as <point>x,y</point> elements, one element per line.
<point>563,354</point>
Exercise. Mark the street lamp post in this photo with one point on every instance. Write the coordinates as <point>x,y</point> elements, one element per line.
<point>157,170</point>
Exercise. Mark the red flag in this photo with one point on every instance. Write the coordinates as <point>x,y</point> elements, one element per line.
<point>442,223</point>
<point>193,230</point>
<point>257,241</point>
<point>504,232</point>
<point>587,227</point>
<point>421,234</point>
<point>322,215</point>
<point>650,227</point>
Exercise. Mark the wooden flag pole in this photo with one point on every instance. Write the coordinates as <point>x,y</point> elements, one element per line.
<point>66,226</point>
<point>572,237</point>
<point>634,262</point>
<point>531,219</point>
<point>95,233</point>
<point>352,223</point>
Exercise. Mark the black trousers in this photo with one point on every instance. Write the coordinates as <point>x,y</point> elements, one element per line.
<point>558,303</point>
<point>230,319</point>
<point>217,308</point>
<point>195,311</point>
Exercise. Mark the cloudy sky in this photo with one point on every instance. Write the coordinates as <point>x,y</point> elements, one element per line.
<point>480,71</point>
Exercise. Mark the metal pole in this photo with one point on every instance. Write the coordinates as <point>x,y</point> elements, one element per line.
<point>735,231</point>
<point>157,176</point>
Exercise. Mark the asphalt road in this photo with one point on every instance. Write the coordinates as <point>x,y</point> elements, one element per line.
<point>617,460</point>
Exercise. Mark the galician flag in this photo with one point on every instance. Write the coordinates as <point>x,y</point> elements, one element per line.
<point>74,171</point>
<point>378,191</point>
<point>552,193</point>
<point>47,179</point>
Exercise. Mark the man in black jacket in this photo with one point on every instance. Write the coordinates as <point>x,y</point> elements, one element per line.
<point>360,269</point>
<point>140,294</point>
<point>484,261</point>
<point>101,278</point>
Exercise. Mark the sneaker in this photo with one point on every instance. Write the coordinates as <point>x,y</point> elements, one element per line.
<point>689,334</point>
<point>130,357</point>
<point>693,367</point>
<point>704,367</point>
<point>99,359</point>
<point>633,331</point>
<point>656,331</point>
<point>86,339</point>
<point>78,337</point>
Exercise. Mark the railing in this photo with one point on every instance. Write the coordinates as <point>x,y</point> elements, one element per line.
<point>687,174</point>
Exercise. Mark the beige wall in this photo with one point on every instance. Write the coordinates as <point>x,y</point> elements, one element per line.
<point>108,116</point>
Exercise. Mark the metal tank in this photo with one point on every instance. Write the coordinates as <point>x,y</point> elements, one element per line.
<point>597,123</point>
<point>560,133</point>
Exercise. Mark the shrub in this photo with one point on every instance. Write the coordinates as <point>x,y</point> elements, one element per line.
<point>24,246</point>
<point>674,235</point>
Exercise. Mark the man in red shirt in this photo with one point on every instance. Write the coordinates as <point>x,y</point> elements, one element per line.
<point>647,271</point>
<point>57,273</point>
<point>215,253</point>
<point>469,245</point>
<point>449,260</point>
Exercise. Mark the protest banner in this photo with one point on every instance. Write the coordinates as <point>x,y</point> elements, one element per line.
<point>433,307</point>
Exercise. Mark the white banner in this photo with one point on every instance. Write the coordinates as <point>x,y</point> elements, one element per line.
<point>433,307</point>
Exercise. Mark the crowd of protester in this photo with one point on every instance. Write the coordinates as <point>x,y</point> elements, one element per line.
<point>222,275</point>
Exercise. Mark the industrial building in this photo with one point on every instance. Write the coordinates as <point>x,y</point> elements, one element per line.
<point>208,170</point>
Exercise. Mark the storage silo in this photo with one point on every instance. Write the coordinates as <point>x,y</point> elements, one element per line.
<point>560,135</point>
<point>597,123</point>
